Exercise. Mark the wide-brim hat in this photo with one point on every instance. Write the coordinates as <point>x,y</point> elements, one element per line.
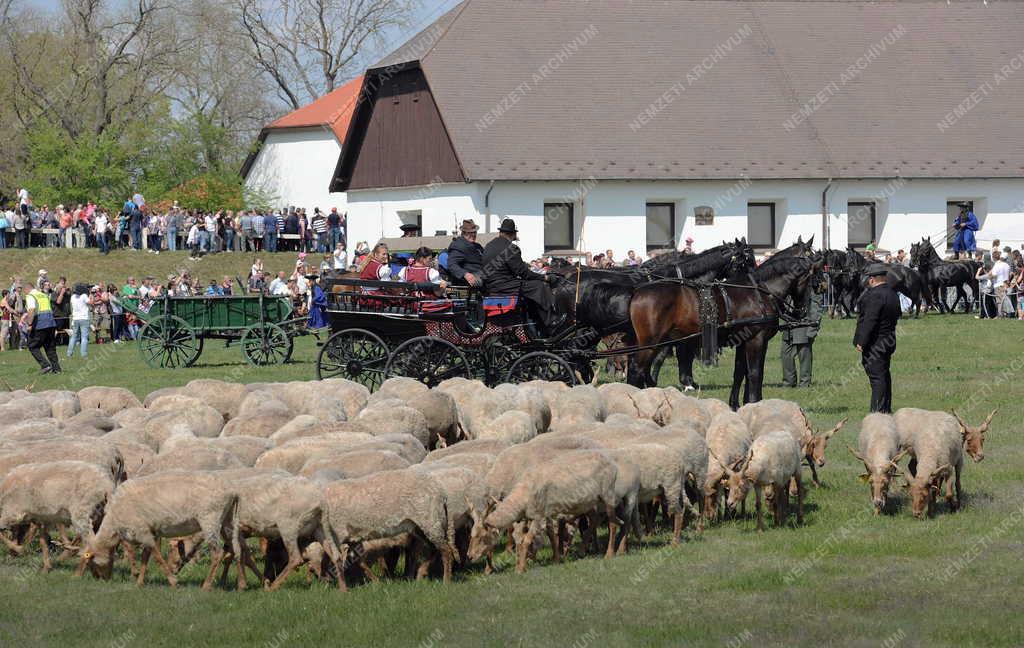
<point>508,226</point>
<point>410,227</point>
<point>469,226</point>
<point>876,270</point>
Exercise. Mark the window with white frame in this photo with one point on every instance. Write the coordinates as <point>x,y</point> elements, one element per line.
<point>558,226</point>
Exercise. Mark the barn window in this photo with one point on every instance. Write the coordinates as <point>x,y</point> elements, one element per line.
<point>558,226</point>
<point>952,211</point>
<point>412,217</point>
<point>860,224</point>
<point>661,226</point>
<point>761,224</point>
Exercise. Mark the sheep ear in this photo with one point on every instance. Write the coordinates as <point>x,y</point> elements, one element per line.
<point>492,503</point>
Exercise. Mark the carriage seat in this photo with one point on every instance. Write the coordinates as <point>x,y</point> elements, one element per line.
<point>500,304</point>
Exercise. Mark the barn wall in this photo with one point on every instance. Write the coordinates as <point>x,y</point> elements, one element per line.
<point>615,210</point>
<point>294,167</point>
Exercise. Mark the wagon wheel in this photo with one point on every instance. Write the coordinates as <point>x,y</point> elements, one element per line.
<point>265,344</point>
<point>541,365</point>
<point>355,354</point>
<point>499,352</point>
<point>429,360</point>
<point>169,341</point>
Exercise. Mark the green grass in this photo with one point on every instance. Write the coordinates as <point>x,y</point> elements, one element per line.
<point>844,578</point>
<point>91,267</point>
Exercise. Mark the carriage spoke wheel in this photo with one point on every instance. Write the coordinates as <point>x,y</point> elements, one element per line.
<point>169,342</point>
<point>266,344</point>
<point>354,354</point>
<point>499,352</point>
<point>429,360</point>
<point>541,365</point>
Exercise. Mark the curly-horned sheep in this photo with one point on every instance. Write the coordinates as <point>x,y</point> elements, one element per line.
<point>772,463</point>
<point>566,486</point>
<point>879,451</point>
<point>728,439</point>
<point>169,504</point>
<point>71,493</point>
<point>386,505</point>
<point>936,449</point>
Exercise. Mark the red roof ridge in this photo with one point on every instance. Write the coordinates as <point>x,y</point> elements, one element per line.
<point>333,110</point>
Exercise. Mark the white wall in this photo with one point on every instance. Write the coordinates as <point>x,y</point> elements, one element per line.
<point>614,211</point>
<point>294,167</point>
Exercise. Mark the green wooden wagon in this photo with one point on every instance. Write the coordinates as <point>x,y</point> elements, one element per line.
<point>175,327</point>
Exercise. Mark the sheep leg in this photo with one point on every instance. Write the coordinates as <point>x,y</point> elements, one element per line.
<point>553,538</point>
<point>950,500</point>
<point>172,580</point>
<point>374,578</point>
<point>129,554</point>
<point>523,550</point>
<point>613,532</point>
<point>294,561</point>
<point>649,518</point>
<point>447,558</point>
<point>758,495</point>
<point>12,546</point>
<point>781,503</point>
<point>144,563</point>
<point>799,501</point>
<point>215,560</point>
<point>959,490</point>
<point>677,527</point>
<point>339,566</point>
<point>44,544</point>
<point>68,544</point>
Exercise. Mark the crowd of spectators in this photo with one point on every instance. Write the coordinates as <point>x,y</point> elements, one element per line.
<point>88,225</point>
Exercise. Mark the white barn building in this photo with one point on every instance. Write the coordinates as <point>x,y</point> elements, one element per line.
<point>295,157</point>
<point>614,125</point>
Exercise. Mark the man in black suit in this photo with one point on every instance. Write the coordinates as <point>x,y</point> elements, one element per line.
<point>875,336</point>
<point>505,273</point>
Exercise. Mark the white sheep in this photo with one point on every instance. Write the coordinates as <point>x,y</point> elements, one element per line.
<point>355,463</point>
<point>728,439</point>
<point>936,449</point>
<point>90,450</point>
<point>190,457</point>
<point>566,486</point>
<point>167,504</point>
<point>514,426</point>
<point>772,463</point>
<point>775,414</point>
<point>386,505</point>
<point>491,447</point>
<point>71,493</point>
<point>880,452</point>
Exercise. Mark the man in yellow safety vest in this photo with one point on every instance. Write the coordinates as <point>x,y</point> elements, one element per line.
<point>38,320</point>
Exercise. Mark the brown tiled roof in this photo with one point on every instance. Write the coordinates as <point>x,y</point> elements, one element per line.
<point>875,80</point>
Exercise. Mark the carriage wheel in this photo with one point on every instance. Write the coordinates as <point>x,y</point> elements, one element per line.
<point>355,354</point>
<point>499,352</point>
<point>541,365</point>
<point>429,360</point>
<point>266,344</point>
<point>170,342</point>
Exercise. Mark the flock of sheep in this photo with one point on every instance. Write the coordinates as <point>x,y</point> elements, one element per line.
<point>326,474</point>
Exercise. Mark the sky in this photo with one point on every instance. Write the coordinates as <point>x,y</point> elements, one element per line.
<point>429,11</point>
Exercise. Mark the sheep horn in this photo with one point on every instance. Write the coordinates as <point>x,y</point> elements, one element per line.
<point>960,420</point>
<point>899,455</point>
<point>988,419</point>
<point>839,426</point>
<point>720,462</point>
<point>855,454</point>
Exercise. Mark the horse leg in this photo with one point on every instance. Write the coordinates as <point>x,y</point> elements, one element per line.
<point>755,351</point>
<point>739,372</point>
<point>685,353</point>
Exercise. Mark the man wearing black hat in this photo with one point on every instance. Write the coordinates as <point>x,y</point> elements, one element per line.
<point>410,230</point>
<point>466,256</point>
<point>506,273</point>
<point>875,336</point>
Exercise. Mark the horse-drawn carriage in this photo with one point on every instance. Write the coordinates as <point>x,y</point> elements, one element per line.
<point>385,329</point>
<point>175,327</point>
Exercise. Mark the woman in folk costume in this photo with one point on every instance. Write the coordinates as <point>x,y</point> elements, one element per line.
<point>317,305</point>
<point>375,266</point>
<point>422,273</point>
<point>966,224</point>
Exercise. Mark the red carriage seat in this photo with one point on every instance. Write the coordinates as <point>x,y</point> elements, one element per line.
<point>434,305</point>
<point>500,304</point>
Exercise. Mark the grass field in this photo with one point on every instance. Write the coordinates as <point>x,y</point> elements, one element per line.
<point>845,578</point>
<point>90,266</point>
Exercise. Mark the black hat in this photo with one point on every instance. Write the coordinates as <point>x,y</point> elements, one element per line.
<point>876,270</point>
<point>508,226</point>
<point>410,227</point>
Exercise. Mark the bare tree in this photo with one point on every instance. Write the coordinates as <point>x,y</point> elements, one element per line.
<point>98,65</point>
<point>307,46</point>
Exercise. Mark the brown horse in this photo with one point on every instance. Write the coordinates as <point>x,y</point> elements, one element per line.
<point>748,317</point>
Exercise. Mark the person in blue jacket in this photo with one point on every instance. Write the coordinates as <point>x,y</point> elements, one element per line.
<point>966,224</point>
<point>317,305</point>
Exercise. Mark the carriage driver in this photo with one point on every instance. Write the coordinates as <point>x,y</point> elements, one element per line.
<point>505,273</point>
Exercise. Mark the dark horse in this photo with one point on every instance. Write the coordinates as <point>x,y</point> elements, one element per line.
<point>598,299</point>
<point>938,274</point>
<point>748,313</point>
<point>843,268</point>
